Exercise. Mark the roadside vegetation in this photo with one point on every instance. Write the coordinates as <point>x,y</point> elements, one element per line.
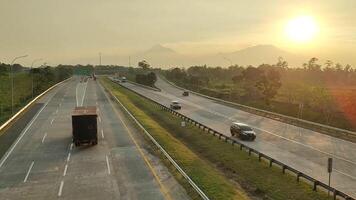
<point>221,170</point>
<point>324,94</point>
<point>43,78</point>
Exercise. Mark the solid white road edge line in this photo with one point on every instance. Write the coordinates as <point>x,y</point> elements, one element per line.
<point>102,133</point>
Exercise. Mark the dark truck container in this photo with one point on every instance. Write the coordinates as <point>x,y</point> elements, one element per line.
<point>84,125</point>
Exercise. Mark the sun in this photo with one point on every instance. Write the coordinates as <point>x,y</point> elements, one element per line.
<point>301,29</point>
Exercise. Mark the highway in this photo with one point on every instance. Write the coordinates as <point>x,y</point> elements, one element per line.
<point>303,149</point>
<point>44,164</point>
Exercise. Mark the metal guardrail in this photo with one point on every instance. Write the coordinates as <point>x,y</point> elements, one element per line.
<point>336,193</point>
<point>29,104</point>
<point>171,160</point>
<point>276,116</point>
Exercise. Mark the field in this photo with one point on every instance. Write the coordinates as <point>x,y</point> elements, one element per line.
<point>22,93</point>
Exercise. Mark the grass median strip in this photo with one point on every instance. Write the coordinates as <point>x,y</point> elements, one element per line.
<point>219,169</point>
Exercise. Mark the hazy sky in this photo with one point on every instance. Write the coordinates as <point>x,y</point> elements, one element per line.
<point>75,31</point>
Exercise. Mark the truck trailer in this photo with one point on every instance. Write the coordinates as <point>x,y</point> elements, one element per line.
<point>84,125</point>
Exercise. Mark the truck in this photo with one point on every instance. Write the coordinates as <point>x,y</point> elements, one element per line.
<point>84,125</point>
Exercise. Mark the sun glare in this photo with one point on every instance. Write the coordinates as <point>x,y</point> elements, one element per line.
<point>301,29</point>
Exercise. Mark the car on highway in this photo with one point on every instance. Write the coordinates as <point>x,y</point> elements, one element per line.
<point>185,93</point>
<point>175,105</point>
<point>242,131</point>
<point>123,79</point>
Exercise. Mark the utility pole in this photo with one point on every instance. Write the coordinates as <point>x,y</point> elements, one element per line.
<point>12,82</point>
<point>32,73</point>
<point>100,59</point>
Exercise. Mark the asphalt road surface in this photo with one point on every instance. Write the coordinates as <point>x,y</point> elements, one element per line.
<point>44,164</point>
<point>303,149</point>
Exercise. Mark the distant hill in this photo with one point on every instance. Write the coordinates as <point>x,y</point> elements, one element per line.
<point>159,49</point>
<point>260,54</point>
<point>160,56</point>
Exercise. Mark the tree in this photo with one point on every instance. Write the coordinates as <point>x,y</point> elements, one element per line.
<point>148,79</point>
<point>144,65</point>
<point>282,63</point>
<point>269,84</point>
<point>312,65</point>
<point>321,99</point>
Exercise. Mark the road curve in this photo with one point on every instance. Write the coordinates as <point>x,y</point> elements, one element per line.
<point>44,164</point>
<point>297,147</point>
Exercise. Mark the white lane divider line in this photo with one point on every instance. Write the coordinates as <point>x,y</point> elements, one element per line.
<point>108,164</point>
<point>99,119</point>
<point>28,172</point>
<point>348,175</point>
<point>65,170</point>
<point>60,189</point>
<point>102,133</point>
<point>44,137</point>
<point>8,153</point>
<point>85,90</point>
<point>71,146</point>
<point>68,157</point>
<point>52,121</point>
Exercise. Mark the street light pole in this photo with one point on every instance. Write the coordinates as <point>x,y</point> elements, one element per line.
<point>12,82</point>
<point>36,60</point>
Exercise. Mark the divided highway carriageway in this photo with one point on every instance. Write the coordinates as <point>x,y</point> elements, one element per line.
<point>300,148</point>
<point>44,164</point>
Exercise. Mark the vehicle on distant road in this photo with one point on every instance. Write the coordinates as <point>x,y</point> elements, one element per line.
<point>123,79</point>
<point>175,105</point>
<point>242,131</point>
<point>185,93</point>
<point>84,125</point>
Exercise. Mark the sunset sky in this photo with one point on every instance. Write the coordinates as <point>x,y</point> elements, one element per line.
<point>75,31</point>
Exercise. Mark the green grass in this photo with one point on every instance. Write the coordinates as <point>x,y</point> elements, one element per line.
<point>211,181</point>
<point>201,155</point>
<point>22,93</point>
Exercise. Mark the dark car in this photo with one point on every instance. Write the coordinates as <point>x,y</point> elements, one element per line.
<point>175,105</point>
<point>185,93</point>
<point>242,131</point>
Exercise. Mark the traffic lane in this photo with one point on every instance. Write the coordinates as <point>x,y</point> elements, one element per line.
<point>131,172</point>
<point>128,153</point>
<point>83,170</point>
<point>16,172</point>
<point>204,112</point>
<point>320,141</point>
<point>308,160</point>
